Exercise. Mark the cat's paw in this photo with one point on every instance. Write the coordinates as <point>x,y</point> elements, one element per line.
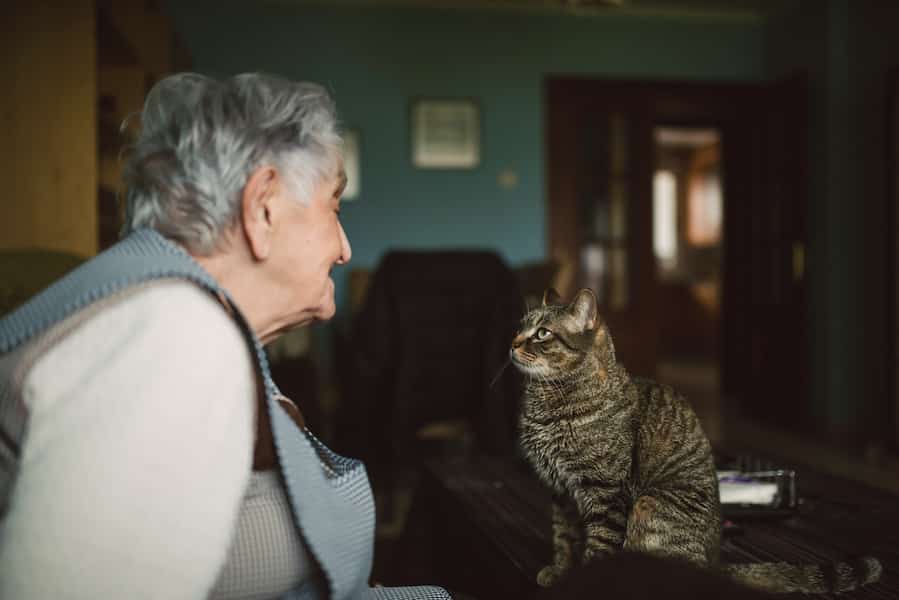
<point>593,553</point>
<point>549,575</point>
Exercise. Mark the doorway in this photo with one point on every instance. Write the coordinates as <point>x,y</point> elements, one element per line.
<point>683,206</point>
<point>687,239</point>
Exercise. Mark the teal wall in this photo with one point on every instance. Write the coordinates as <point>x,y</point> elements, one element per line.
<point>377,60</point>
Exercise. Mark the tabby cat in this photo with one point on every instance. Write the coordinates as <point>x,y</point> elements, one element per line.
<point>626,458</point>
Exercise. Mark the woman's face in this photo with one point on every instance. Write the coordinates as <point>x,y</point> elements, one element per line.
<point>308,243</point>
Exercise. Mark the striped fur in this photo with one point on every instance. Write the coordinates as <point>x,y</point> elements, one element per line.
<point>626,458</point>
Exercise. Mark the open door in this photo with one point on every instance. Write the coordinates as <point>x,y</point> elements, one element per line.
<point>600,184</point>
<point>765,364</point>
<point>600,169</point>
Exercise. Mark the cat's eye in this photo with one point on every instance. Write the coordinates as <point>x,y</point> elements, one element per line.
<point>543,334</point>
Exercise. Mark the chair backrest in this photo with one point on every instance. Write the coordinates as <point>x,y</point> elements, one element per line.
<point>433,332</point>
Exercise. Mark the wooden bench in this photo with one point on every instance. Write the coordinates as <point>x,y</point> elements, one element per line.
<point>483,527</point>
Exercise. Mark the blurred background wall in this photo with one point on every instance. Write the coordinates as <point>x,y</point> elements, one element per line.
<point>70,77</point>
<point>376,59</point>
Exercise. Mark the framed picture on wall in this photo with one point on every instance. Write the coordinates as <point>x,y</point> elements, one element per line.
<point>446,134</point>
<point>351,152</point>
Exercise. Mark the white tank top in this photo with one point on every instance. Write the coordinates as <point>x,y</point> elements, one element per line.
<point>267,557</point>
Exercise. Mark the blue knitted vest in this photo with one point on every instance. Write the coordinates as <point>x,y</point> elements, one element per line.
<point>329,494</point>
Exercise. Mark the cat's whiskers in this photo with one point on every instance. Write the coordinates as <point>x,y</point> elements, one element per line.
<point>558,388</point>
<point>500,372</point>
<point>543,395</point>
<point>555,393</point>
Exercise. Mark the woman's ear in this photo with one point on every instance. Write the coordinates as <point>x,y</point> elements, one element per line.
<point>256,210</point>
<point>551,296</point>
<point>583,309</point>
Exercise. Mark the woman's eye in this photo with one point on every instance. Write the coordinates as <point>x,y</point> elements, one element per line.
<point>542,334</point>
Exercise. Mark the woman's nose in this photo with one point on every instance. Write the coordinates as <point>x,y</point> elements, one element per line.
<point>346,252</point>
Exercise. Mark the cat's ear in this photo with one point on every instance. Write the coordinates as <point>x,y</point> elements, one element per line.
<point>551,296</point>
<point>583,309</point>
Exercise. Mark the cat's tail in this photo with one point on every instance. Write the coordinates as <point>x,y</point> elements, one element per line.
<point>809,579</point>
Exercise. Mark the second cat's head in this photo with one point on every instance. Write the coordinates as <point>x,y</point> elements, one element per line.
<point>555,338</point>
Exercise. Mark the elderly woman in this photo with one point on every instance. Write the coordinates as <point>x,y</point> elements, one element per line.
<point>145,451</point>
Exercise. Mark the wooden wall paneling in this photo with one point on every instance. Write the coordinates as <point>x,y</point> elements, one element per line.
<point>49,123</point>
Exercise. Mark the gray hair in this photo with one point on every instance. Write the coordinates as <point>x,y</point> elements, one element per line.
<point>202,138</point>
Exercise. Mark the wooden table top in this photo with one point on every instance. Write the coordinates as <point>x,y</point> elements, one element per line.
<point>503,504</point>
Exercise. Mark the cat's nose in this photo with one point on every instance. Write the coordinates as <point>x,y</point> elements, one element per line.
<point>518,341</point>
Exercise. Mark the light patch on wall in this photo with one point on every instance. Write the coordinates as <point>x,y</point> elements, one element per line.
<point>664,217</point>
<point>351,164</point>
<point>507,179</point>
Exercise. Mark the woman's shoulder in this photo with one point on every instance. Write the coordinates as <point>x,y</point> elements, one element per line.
<point>172,302</point>
<point>148,330</point>
<point>169,310</point>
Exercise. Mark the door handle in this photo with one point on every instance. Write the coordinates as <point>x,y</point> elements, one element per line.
<point>798,261</point>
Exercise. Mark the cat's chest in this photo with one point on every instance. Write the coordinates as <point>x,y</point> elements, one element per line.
<point>559,452</point>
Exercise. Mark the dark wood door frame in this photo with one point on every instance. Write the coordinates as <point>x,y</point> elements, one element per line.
<point>576,109</point>
<point>892,262</point>
<point>739,112</point>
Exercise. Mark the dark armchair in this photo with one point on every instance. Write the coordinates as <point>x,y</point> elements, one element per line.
<point>432,335</point>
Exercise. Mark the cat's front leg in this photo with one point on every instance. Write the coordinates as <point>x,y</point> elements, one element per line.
<point>601,508</point>
<point>567,541</point>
